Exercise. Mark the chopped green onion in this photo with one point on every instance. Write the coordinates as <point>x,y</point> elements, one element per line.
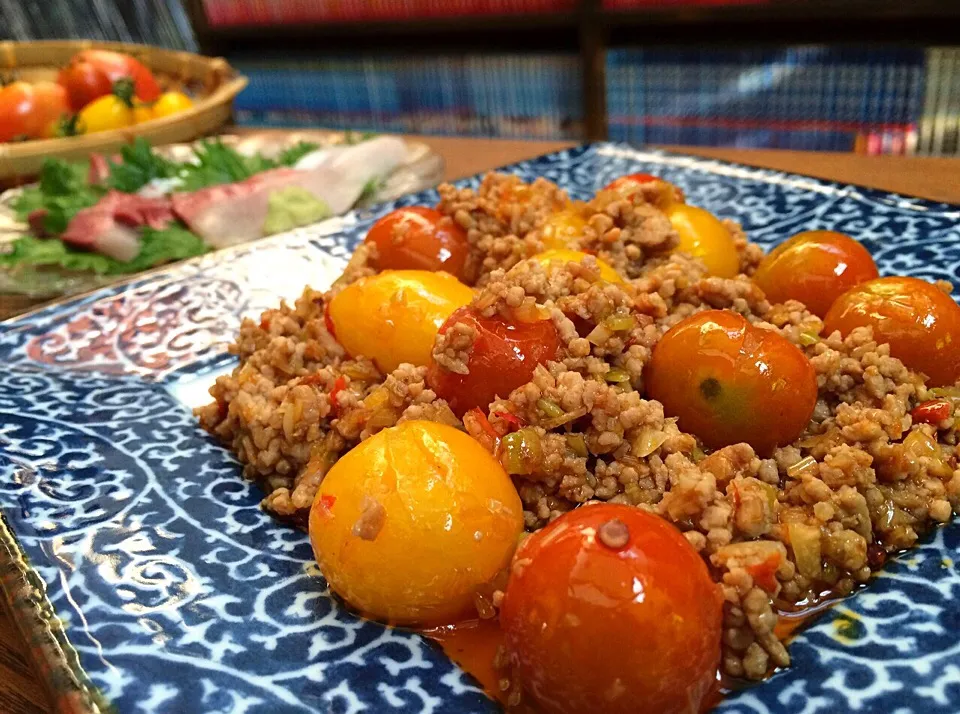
<point>577,444</point>
<point>520,452</point>
<point>617,375</point>
<point>619,323</point>
<point>550,408</point>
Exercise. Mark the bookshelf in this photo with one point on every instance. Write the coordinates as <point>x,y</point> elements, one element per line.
<point>589,28</point>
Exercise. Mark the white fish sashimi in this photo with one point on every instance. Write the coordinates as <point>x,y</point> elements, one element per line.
<point>235,213</point>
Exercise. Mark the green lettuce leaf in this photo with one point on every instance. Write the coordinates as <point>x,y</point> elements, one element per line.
<point>138,166</point>
<point>156,247</point>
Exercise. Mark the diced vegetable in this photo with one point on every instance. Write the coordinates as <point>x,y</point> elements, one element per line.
<point>805,541</point>
<point>549,408</point>
<point>577,444</point>
<point>616,375</point>
<point>801,467</point>
<point>931,412</point>
<point>647,441</point>
<point>521,452</point>
<point>808,338</point>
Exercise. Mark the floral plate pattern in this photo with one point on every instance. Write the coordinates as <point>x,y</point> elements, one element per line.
<point>148,579</point>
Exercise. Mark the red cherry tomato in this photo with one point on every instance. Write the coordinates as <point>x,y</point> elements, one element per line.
<point>729,382</point>
<point>920,322</point>
<point>608,609</point>
<point>83,83</point>
<point>98,71</point>
<point>31,111</point>
<point>814,267</point>
<point>502,358</point>
<point>664,192</point>
<point>419,238</point>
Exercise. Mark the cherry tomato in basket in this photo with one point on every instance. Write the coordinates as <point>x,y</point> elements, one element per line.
<point>171,103</point>
<point>703,236</point>
<point>393,317</point>
<point>419,238</point>
<point>729,382</point>
<point>608,609</point>
<point>920,322</point>
<point>659,192</point>
<point>31,111</point>
<point>502,357</point>
<point>411,522</point>
<point>814,267</point>
<point>112,66</point>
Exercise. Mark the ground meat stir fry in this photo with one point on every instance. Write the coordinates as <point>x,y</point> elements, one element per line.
<point>868,475</point>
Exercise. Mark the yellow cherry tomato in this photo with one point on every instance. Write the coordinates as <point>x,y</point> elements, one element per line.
<point>171,103</point>
<point>562,229</point>
<point>565,255</point>
<point>393,317</point>
<point>703,236</point>
<point>104,114</point>
<point>411,522</point>
<point>142,112</point>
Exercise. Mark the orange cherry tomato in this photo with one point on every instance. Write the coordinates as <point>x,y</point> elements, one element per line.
<point>729,382</point>
<point>703,236</point>
<point>814,267</point>
<point>608,609</point>
<point>920,322</point>
<point>502,358</point>
<point>424,494</point>
<point>419,238</point>
<point>31,111</point>
<point>626,186</point>
<point>562,230</point>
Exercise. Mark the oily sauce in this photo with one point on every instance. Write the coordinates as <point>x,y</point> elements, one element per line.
<point>473,646</point>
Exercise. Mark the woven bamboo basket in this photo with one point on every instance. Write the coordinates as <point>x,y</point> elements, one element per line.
<point>211,81</point>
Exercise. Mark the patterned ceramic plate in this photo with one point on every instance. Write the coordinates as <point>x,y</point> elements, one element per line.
<point>147,577</point>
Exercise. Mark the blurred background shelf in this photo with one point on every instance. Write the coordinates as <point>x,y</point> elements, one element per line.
<point>872,76</point>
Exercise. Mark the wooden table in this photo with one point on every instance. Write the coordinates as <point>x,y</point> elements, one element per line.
<point>937,179</point>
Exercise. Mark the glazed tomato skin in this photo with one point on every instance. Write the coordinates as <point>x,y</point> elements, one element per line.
<point>703,236</point>
<point>665,193</point>
<point>729,382</point>
<point>919,321</point>
<point>618,629</point>
<point>31,110</point>
<point>814,267</point>
<point>393,317</point>
<point>503,358</point>
<point>562,230</point>
<point>394,524</point>
<point>565,255</point>
<point>419,238</point>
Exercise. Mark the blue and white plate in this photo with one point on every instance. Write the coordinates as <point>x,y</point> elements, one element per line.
<point>149,580</point>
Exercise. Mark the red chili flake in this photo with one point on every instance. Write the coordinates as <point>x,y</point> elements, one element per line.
<point>222,408</point>
<point>513,420</point>
<point>484,423</point>
<point>338,386</point>
<point>328,321</point>
<point>932,412</point>
<point>764,573</point>
<point>265,323</point>
<point>326,503</point>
